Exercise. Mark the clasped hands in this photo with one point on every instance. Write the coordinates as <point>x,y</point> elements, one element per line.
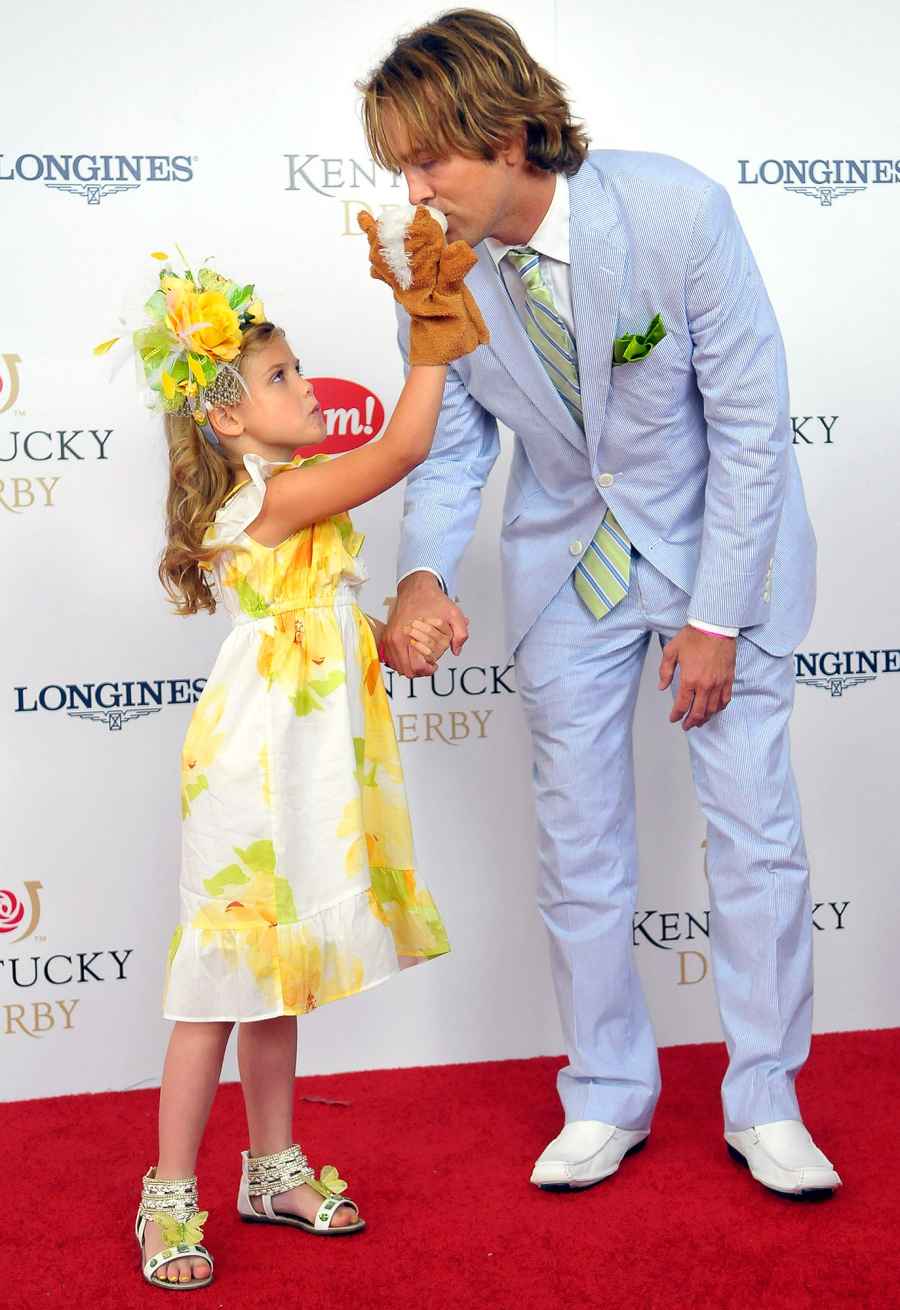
<point>422,625</point>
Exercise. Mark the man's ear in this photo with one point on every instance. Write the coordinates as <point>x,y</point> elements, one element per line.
<point>225,421</point>
<point>515,151</point>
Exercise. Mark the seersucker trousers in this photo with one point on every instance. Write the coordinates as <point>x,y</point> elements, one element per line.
<point>578,682</point>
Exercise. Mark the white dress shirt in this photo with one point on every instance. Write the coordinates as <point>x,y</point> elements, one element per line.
<point>551,242</point>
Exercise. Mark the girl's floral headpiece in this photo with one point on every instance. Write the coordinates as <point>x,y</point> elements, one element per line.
<point>189,347</point>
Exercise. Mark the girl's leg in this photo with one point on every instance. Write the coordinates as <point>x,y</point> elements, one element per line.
<point>267,1057</point>
<point>190,1078</point>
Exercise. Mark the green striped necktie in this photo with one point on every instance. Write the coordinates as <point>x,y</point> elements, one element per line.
<point>602,574</point>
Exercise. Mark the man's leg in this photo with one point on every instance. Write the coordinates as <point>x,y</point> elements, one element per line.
<point>578,681</point>
<point>761,918</point>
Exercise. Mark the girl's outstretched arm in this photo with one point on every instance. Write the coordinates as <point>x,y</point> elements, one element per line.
<point>298,497</point>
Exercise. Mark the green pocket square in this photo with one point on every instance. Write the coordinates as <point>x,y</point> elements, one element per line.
<point>634,345</point>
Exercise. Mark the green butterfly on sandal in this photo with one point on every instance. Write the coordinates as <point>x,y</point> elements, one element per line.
<point>328,1183</point>
<point>178,1233</point>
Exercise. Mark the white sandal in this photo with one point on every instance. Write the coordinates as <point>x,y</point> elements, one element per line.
<point>171,1203</point>
<point>270,1175</point>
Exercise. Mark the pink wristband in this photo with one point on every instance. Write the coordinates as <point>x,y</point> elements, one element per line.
<point>723,636</point>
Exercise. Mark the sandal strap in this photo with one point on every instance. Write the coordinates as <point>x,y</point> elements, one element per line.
<point>170,1253</point>
<point>329,1207</point>
<point>176,1197</point>
<point>268,1175</point>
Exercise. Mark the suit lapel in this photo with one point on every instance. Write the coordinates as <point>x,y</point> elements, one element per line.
<point>598,257</point>
<point>510,343</point>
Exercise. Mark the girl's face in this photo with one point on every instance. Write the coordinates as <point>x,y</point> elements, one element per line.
<point>281,411</point>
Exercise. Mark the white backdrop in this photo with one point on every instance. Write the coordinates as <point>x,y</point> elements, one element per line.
<point>250,118</point>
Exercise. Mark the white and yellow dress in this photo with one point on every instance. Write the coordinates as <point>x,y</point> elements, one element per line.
<point>298,881</point>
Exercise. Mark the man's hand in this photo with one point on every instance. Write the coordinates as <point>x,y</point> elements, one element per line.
<point>420,597</point>
<point>707,675</point>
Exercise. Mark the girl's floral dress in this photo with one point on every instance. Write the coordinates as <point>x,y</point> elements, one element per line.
<point>298,881</point>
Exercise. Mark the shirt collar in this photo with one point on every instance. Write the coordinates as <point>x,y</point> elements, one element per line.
<point>552,236</point>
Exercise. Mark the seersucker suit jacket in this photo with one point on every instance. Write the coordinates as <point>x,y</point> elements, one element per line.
<point>691,447</point>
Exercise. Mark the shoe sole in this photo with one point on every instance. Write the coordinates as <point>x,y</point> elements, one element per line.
<point>345,1230</point>
<point>807,1194</point>
<point>594,1182</point>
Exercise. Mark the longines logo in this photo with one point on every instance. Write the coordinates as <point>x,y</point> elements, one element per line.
<point>9,381</point>
<point>836,671</point>
<point>111,703</point>
<point>20,916</point>
<point>450,726</point>
<point>94,177</point>
<point>822,180</point>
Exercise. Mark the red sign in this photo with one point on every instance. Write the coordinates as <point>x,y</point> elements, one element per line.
<point>353,415</point>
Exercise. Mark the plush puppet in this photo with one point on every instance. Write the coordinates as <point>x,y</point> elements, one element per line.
<point>408,251</point>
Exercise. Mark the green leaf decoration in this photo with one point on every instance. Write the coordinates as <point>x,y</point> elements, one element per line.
<point>231,876</point>
<point>191,792</point>
<point>260,856</point>
<point>250,601</point>
<point>210,280</point>
<point>156,305</point>
<point>325,686</point>
<point>309,698</point>
<point>304,702</point>
<point>285,909</point>
<point>174,944</point>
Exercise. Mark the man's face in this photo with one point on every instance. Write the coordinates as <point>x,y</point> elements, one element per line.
<point>474,194</point>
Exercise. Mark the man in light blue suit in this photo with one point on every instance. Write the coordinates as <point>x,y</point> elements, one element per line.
<point>654,491</point>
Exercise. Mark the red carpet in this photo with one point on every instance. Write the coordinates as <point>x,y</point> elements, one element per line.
<point>439,1160</point>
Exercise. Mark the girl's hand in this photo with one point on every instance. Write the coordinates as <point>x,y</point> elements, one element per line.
<point>430,637</point>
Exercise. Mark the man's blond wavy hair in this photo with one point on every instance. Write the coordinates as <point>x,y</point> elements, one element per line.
<point>464,84</point>
<point>200,477</point>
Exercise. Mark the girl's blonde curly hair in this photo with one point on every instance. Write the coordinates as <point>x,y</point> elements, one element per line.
<point>200,477</point>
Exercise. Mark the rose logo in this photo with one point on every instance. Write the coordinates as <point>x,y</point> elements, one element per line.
<point>12,911</point>
<point>9,392</point>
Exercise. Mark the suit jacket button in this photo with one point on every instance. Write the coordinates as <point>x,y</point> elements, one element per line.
<point>605,480</point>
<point>576,548</point>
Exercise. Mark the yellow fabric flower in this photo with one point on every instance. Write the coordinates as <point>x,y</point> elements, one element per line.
<point>219,338</point>
<point>202,744</point>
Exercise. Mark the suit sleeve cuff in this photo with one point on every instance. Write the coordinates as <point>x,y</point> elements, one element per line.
<point>423,569</point>
<point>713,628</point>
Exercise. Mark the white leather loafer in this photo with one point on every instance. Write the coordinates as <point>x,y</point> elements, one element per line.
<point>784,1157</point>
<point>585,1152</point>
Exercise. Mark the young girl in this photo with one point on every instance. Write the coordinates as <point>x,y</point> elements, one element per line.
<point>298,877</point>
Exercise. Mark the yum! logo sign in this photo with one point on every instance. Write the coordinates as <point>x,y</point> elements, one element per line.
<point>353,415</point>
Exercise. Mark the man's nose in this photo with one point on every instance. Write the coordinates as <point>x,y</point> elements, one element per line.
<point>418,186</point>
